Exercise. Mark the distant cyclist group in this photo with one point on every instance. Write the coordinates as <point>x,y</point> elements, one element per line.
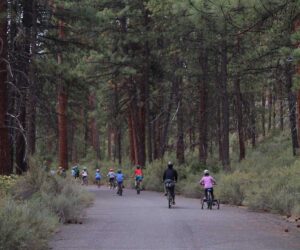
<point>169,178</point>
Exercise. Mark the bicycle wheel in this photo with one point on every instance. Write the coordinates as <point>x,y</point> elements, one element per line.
<point>120,189</point>
<point>218,204</point>
<point>169,199</point>
<point>138,190</point>
<point>209,200</point>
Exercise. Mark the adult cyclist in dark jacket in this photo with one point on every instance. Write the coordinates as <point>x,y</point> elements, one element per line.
<point>170,176</point>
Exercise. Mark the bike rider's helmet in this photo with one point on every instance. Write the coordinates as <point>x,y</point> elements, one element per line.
<point>138,166</point>
<point>111,169</point>
<point>84,168</point>
<point>170,164</point>
<point>97,170</point>
<point>206,172</point>
<point>119,171</point>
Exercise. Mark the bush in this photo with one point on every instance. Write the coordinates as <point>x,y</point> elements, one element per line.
<point>153,176</point>
<point>6,183</point>
<point>65,198</point>
<point>24,226</point>
<point>280,192</point>
<point>190,186</point>
<point>232,187</point>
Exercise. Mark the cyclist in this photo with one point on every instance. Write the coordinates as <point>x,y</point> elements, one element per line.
<point>170,176</point>
<point>207,182</point>
<point>120,179</point>
<point>138,175</point>
<point>111,175</point>
<point>84,175</point>
<point>77,172</point>
<point>98,177</point>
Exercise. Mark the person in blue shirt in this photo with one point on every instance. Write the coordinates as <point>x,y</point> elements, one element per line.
<point>98,178</point>
<point>120,179</point>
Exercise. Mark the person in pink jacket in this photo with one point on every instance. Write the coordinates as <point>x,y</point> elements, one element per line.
<point>207,182</point>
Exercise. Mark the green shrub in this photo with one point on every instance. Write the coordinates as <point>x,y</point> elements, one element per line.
<point>65,198</point>
<point>190,186</point>
<point>232,187</point>
<point>279,192</point>
<point>6,183</point>
<point>24,226</point>
<point>153,176</point>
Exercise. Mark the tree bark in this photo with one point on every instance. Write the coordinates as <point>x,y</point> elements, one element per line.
<point>142,123</point>
<point>270,107</point>
<point>5,154</point>
<point>93,128</point>
<point>239,109</point>
<point>62,128</point>
<point>224,107</point>
<point>281,108</point>
<point>252,120</point>
<point>62,113</point>
<point>131,137</point>
<point>31,94</point>
<point>165,129</point>
<point>292,102</point>
<point>203,107</point>
<point>263,112</point>
<point>180,119</point>
<point>296,26</point>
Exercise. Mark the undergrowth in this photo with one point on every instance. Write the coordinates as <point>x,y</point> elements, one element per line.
<point>33,205</point>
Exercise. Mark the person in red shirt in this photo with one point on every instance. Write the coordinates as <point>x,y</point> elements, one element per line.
<point>138,174</point>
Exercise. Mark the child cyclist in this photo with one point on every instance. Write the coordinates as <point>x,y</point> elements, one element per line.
<point>98,178</point>
<point>120,179</point>
<point>84,176</point>
<point>112,176</point>
<point>207,182</point>
<point>138,175</point>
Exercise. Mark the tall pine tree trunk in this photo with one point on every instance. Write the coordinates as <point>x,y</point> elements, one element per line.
<point>263,112</point>
<point>142,123</point>
<point>93,128</point>
<point>224,106</point>
<point>296,25</point>
<point>166,124</point>
<point>62,113</point>
<point>252,120</point>
<point>292,101</point>
<point>270,107</point>
<point>281,108</point>
<point>203,107</point>
<point>239,109</point>
<point>23,83</point>
<point>180,119</point>
<point>5,154</point>
<point>147,84</point>
<point>31,94</point>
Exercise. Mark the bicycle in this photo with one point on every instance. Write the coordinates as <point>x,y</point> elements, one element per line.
<point>112,183</point>
<point>120,188</point>
<point>170,185</point>
<point>97,182</point>
<point>138,186</point>
<point>210,201</point>
<point>85,180</point>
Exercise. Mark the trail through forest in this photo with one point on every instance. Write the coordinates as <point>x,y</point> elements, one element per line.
<point>144,222</point>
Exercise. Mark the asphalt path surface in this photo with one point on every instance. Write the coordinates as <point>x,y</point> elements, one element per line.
<point>138,222</point>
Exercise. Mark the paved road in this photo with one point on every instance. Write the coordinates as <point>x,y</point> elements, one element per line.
<point>133,222</point>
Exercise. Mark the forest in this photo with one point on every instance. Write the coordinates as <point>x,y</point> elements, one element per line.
<point>136,81</point>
